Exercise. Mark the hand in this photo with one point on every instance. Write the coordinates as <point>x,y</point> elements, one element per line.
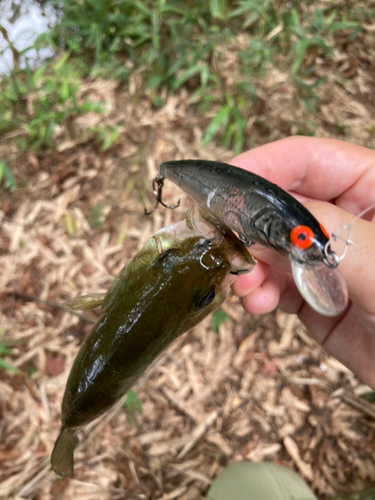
<point>335,181</point>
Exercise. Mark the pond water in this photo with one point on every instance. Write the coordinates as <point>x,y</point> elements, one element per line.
<point>23,21</point>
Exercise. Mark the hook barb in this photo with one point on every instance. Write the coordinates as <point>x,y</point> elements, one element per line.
<point>157,185</point>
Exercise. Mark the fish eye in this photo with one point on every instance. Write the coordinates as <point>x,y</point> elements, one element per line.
<point>207,299</point>
<point>302,237</point>
<point>167,252</point>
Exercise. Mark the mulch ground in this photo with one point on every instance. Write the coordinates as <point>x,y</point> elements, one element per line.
<point>259,389</point>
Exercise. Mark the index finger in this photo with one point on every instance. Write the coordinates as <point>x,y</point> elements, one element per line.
<point>324,169</point>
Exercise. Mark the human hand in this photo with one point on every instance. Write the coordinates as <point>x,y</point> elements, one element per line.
<point>335,181</point>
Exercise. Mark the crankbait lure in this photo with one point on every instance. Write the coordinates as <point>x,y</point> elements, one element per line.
<point>180,276</point>
<point>258,211</point>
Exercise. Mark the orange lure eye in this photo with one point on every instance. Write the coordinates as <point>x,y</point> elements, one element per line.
<point>324,231</point>
<point>302,237</point>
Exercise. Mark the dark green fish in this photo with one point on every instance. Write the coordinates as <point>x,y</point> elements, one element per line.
<point>181,275</point>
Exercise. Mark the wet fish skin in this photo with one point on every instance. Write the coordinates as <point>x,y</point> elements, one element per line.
<point>166,289</point>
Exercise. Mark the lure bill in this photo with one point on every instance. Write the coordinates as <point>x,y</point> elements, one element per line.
<point>323,288</point>
<point>180,276</point>
<point>258,211</point>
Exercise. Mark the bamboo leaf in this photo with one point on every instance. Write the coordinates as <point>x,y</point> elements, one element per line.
<point>220,120</point>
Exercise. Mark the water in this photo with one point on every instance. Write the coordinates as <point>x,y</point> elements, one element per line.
<point>23,21</point>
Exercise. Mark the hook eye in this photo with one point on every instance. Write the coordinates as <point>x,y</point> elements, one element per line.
<point>331,259</point>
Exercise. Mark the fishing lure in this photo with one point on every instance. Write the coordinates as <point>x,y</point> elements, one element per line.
<point>258,211</point>
<point>182,274</point>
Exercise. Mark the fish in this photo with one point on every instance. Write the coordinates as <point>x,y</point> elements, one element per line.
<point>181,275</point>
<point>258,211</point>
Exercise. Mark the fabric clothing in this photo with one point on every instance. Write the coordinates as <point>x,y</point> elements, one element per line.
<point>258,481</point>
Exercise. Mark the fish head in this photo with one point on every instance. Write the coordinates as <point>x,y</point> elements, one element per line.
<point>198,274</point>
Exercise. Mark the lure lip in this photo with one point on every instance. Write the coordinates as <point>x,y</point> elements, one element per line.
<point>322,287</point>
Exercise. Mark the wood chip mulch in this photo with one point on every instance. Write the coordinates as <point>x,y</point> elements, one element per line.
<point>259,389</point>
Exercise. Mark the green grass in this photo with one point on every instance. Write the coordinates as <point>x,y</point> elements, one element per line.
<point>97,216</point>
<point>36,102</point>
<point>218,317</point>
<point>6,351</point>
<point>132,406</point>
<point>177,44</point>
<point>6,177</point>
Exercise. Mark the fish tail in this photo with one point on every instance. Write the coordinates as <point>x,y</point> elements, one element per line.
<point>62,458</point>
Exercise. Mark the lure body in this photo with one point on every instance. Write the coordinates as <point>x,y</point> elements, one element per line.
<point>257,210</point>
<point>176,280</point>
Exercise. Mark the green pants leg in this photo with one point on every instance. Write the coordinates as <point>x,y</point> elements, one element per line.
<point>258,481</point>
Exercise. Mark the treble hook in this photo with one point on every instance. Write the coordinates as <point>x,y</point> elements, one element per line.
<point>159,182</point>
